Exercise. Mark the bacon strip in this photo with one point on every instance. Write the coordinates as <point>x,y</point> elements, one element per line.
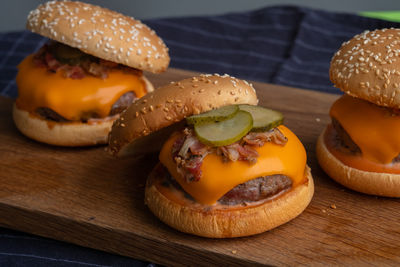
<point>235,151</point>
<point>51,63</point>
<point>188,152</point>
<point>89,65</point>
<point>73,72</point>
<point>260,138</point>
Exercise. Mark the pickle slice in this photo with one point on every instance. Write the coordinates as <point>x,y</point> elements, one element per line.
<point>264,119</point>
<point>214,115</point>
<point>67,54</point>
<point>225,132</point>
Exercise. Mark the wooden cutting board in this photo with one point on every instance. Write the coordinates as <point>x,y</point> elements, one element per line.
<point>86,197</point>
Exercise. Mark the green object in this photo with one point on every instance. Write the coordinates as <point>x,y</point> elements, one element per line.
<point>264,119</point>
<point>225,132</point>
<point>385,15</point>
<point>215,115</point>
<point>68,55</point>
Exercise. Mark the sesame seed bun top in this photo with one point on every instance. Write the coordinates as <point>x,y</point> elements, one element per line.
<point>100,32</point>
<point>368,67</point>
<point>153,117</point>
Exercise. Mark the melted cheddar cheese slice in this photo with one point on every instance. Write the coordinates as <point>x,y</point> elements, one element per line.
<point>374,129</point>
<point>219,177</point>
<point>71,98</point>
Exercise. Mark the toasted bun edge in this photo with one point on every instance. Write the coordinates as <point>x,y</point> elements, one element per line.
<point>61,134</point>
<point>373,183</point>
<point>101,32</point>
<point>230,223</point>
<point>368,67</point>
<point>66,133</point>
<point>172,103</point>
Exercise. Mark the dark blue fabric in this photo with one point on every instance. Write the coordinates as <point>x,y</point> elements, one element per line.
<point>282,45</point>
<point>20,249</point>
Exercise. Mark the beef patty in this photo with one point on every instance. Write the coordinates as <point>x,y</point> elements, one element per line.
<point>257,189</point>
<point>345,142</point>
<point>254,190</point>
<point>122,103</point>
<point>344,138</point>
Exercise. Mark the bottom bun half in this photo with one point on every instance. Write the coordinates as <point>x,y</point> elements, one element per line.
<point>62,133</point>
<point>373,183</point>
<point>208,221</point>
<point>66,133</point>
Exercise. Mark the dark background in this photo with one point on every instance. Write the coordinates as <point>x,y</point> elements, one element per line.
<point>13,13</point>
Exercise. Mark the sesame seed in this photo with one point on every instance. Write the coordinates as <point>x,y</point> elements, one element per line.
<point>93,15</point>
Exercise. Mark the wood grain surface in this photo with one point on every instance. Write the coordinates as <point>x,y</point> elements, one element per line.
<point>83,196</point>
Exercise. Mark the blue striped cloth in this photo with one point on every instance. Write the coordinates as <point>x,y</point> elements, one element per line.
<point>283,45</point>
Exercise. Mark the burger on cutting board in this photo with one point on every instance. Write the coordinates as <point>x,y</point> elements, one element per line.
<point>72,89</point>
<point>361,147</point>
<point>228,167</point>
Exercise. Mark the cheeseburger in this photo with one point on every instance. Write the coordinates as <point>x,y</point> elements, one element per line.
<point>76,85</point>
<point>361,147</point>
<point>229,169</point>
